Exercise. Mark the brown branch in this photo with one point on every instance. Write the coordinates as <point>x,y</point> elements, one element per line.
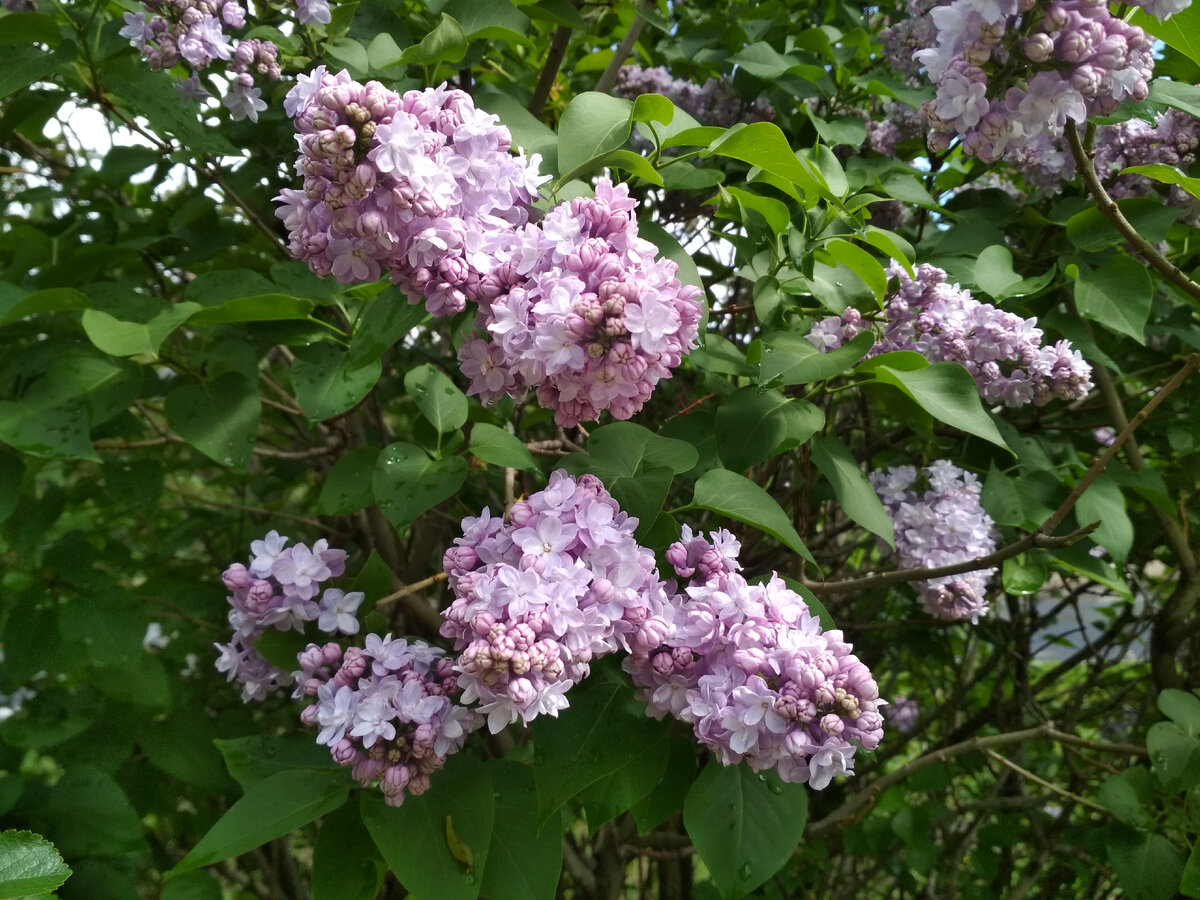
<point>1111,211</point>
<point>609,78</point>
<point>558,51</point>
<point>428,615</point>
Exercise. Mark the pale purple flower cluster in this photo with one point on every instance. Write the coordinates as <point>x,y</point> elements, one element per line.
<point>538,597</point>
<point>943,525</point>
<point>388,709</point>
<point>193,32</point>
<point>943,322</point>
<point>713,103</point>
<point>904,713</point>
<point>279,590</point>
<point>581,310</point>
<point>1008,70</point>
<point>750,669</point>
<point>313,12</point>
<point>423,184</point>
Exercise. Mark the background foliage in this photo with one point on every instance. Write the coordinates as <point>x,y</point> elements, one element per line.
<point>172,385</point>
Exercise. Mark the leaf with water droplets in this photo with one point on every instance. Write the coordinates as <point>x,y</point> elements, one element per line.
<point>408,483</point>
<point>219,417</point>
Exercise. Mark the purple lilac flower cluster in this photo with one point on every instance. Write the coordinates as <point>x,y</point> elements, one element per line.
<point>581,310</point>
<point>423,184</point>
<point>279,590</point>
<point>387,709</point>
<point>313,12</point>
<point>538,597</point>
<point>192,32</point>
<point>943,322</point>
<point>750,669</point>
<point>1008,70</point>
<point>944,525</point>
<point>713,103</point>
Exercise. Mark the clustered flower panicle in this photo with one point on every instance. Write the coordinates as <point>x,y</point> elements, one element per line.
<point>279,590</point>
<point>748,666</point>
<point>193,32</point>
<point>581,310</point>
<point>388,709</point>
<point>1008,71</point>
<point>713,103</point>
<point>943,525</point>
<point>944,323</point>
<point>540,596</point>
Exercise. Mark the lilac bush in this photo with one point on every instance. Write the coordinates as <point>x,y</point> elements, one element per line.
<point>583,311</point>
<point>940,526</point>
<point>750,669</point>
<point>944,323</point>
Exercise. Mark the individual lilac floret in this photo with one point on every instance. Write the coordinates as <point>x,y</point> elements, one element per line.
<point>582,311</point>
<point>388,709</point>
<point>193,32</point>
<point>540,596</point>
<point>944,323</point>
<point>279,589</point>
<point>943,525</point>
<point>421,184</point>
<point>750,669</point>
<point>1008,70</point>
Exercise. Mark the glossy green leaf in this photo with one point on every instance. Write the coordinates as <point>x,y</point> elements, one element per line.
<point>733,495</point>
<point>347,487</point>
<point>92,815</point>
<point>270,808</point>
<point>1181,31</point>
<point>496,20</point>
<point>591,125</point>
<point>29,28</point>
<point>628,161</point>
<point>1089,230</point>
<point>861,263</point>
<point>438,398</point>
<point>326,385</point>
<point>413,837</point>
<point>257,308</point>
<point>1121,799</point>
<point>994,270</point>
<point>790,358</point>
<point>948,393</point>
<point>219,418</point>
<point>1148,866</point>
<point>653,108</point>
<point>446,43</point>
<point>604,729</point>
<point>1175,755</point>
<point>745,825</point>
<point>49,300</point>
<point>892,244</point>
<point>1022,577</point>
<point>523,863</point>
<point>1166,175</point>
<point>1183,707</point>
<point>408,483</point>
<point>1104,502</point>
<point>29,864</point>
<point>118,338</point>
<point>24,64</point>
<point>497,446</point>
<point>1189,883</point>
<point>388,318</point>
<point>854,493</point>
<point>1117,295</point>
<point>254,759</point>
<point>752,423</point>
<point>762,144</point>
<point>346,864</point>
<point>56,431</point>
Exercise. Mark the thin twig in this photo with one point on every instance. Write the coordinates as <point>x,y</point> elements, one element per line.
<point>609,78</point>
<point>558,50</point>
<point>413,588</point>
<point>1111,211</point>
<point>1037,779</point>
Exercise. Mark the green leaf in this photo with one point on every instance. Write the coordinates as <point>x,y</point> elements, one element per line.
<point>1023,578</point>
<point>668,245</point>
<point>605,799</point>
<point>1104,501</point>
<point>383,51</point>
<point>25,64</point>
<point>745,825</point>
<point>1175,755</point>
<point>1176,94</point>
<point>948,393</point>
<point>1183,707</point>
<point>1117,295</point>
<point>496,20</point>
<point>604,730</point>
<point>994,270</point>
<point>1147,866</point>
<point>591,126</point>
<point>153,95</point>
<point>653,108</point>
<point>772,211</point>
<point>195,885</point>
<point>326,385</point>
<point>29,28</point>
<point>446,43</point>
<point>1181,31</point>
<point>721,356</point>
<point>92,815</point>
<point>387,319</point>
<point>1089,230</point>
<point>347,487</point>
<point>49,300</point>
<point>257,308</point>
<point>861,263</point>
<point>854,492</point>
<point>668,795</point>
<point>352,53</point>
<point>12,471</point>
<point>497,446</point>
<point>1189,884</point>
<point>346,864</point>
<point>55,431</point>
<point>762,144</point>
<point>29,864</point>
<point>118,338</point>
<point>219,418</point>
<point>560,12</point>
<point>752,423</point>
<point>408,483</point>
<point>1166,175</point>
<point>438,398</point>
<point>270,808</point>
<point>254,759</point>
<point>633,163</point>
<point>892,244</point>
<point>790,358</point>
<point>412,837</point>
<point>737,497</point>
<point>523,862</point>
